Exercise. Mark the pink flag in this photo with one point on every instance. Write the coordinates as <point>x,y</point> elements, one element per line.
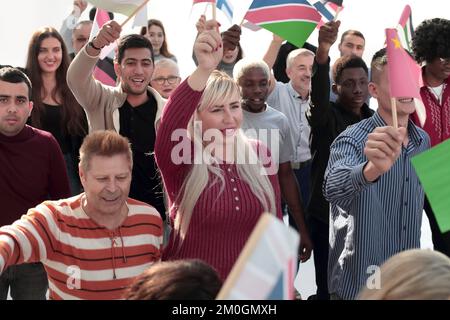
<point>404,73</point>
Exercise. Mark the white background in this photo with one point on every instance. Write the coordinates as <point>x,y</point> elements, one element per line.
<point>19,18</point>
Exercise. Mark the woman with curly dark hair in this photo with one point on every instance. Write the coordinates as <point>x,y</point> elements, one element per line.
<point>431,46</point>
<point>55,108</point>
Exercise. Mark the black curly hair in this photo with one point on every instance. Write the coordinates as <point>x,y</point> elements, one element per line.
<point>431,40</point>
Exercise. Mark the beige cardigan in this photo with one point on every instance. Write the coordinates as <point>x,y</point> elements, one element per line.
<point>100,102</point>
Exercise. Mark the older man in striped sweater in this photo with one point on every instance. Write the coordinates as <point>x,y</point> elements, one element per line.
<point>92,245</point>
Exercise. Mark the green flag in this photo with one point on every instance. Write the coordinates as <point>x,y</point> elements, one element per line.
<point>433,169</point>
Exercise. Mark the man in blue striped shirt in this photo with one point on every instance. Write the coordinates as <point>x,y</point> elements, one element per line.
<point>375,196</point>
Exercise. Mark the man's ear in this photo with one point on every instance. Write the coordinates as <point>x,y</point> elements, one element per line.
<point>373,90</point>
<point>288,72</point>
<point>334,88</point>
<point>117,69</point>
<point>82,174</point>
<point>30,105</point>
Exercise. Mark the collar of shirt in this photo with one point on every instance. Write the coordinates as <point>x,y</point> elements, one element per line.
<point>295,94</point>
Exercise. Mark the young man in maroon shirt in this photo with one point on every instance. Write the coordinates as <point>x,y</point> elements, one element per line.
<point>32,171</point>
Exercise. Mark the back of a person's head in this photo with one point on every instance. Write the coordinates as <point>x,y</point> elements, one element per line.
<point>132,41</point>
<point>176,280</point>
<point>413,275</point>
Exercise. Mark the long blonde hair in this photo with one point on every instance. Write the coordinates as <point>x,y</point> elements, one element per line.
<point>413,275</point>
<point>219,88</point>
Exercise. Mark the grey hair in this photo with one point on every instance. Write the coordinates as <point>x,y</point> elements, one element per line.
<point>295,53</point>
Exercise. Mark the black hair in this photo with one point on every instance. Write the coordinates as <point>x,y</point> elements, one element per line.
<point>347,62</point>
<point>15,75</point>
<point>431,40</point>
<point>133,41</point>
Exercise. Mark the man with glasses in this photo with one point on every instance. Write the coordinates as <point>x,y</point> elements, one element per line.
<point>431,47</point>
<point>166,77</point>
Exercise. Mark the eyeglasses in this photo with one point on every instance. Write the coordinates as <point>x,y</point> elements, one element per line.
<point>444,61</point>
<point>170,80</point>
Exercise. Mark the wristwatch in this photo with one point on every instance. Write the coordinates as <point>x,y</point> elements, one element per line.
<point>91,44</point>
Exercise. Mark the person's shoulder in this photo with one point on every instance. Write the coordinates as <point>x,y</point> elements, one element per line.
<point>44,137</point>
<point>359,131</point>
<point>276,115</point>
<point>139,207</point>
<point>425,138</point>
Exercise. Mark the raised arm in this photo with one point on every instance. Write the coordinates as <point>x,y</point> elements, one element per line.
<point>88,91</point>
<point>184,100</point>
<point>271,56</point>
<point>320,82</point>
<point>69,23</point>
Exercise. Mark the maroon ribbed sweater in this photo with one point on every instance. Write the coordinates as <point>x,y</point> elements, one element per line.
<point>437,124</point>
<point>220,224</point>
<point>32,170</point>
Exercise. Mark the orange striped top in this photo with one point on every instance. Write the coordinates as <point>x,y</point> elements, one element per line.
<point>83,260</point>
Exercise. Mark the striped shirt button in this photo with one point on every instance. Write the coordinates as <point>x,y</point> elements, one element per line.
<point>237,208</point>
<point>236,198</point>
<point>232,180</point>
<point>229,169</point>
<point>235,189</point>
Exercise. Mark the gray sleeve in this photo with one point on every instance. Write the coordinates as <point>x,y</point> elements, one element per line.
<point>286,147</point>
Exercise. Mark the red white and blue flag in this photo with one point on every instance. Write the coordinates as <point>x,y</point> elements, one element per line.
<point>104,70</point>
<point>292,20</point>
<point>327,8</point>
<point>266,267</point>
<point>405,28</point>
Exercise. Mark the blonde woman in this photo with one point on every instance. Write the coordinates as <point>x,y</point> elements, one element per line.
<point>217,187</point>
<point>413,275</point>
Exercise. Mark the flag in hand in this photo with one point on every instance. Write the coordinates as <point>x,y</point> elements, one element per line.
<point>125,7</point>
<point>292,20</point>
<point>328,9</point>
<point>104,70</point>
<point>404,73</point>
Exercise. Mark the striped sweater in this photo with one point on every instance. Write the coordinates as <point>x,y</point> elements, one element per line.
<point>437,123</point>
<point>222,220</point>
<point>83,260</point>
